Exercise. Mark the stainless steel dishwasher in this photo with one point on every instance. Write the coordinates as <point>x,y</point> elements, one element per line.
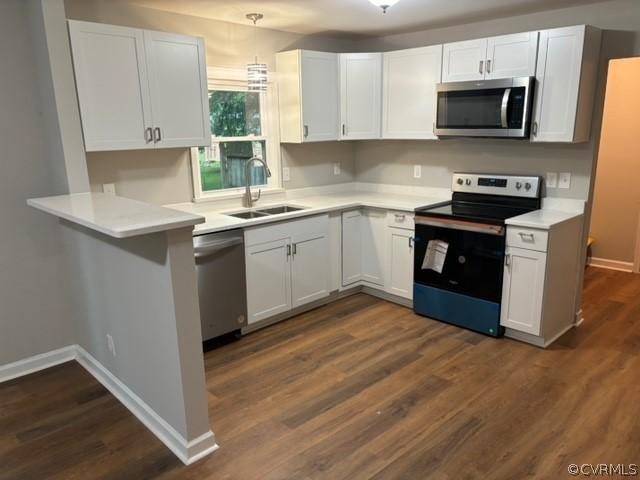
<point>222,291</point>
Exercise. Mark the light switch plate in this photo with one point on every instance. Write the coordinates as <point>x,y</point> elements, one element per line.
<point>417,171</point>
<point>564,180</point>
<point>109,188</point>
<point>286,174</point>
<point>336,168</point>
<point>552,179</point>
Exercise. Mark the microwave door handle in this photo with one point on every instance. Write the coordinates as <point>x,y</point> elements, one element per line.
<point>505,105</point>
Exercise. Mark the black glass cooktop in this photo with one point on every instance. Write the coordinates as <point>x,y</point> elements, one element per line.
<point>482,208</point>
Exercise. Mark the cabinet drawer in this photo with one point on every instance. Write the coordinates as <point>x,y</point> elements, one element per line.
<point>400,220</point>
<point>528,238</point>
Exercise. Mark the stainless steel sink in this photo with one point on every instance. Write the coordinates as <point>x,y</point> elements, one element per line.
<point>280,209</point>
<point>247,215</point>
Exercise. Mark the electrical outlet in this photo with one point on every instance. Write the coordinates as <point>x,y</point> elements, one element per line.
<point>336,168</point>
<point>109,188</point>
<point>417,171</point>
<point>286,174</point>
<point>111,345</point>
<point>552,180</point>
<point>564,180</point>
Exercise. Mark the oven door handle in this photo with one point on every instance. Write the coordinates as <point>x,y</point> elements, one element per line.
<point>505,106</point>
<point>464,225</point>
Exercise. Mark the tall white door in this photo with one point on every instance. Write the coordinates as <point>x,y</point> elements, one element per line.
<point>360,95</point>
<point>178,89</point>
<point>400,270</point>
<point>268,279</point>
<point>112,84</point>
<point>512,55</point>
<point>351,247</point>
<point>523,290</point>
<point>409,92</point>
<point>320,96</point>
<point>374,224</point>
<point>558,78</point>
<point>310,272</point>
<point>463,61</point>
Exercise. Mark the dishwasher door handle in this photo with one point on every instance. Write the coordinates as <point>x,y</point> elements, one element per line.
<point>208,249</point>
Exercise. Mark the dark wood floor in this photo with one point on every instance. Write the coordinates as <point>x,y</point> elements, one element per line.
<point>363,389</point>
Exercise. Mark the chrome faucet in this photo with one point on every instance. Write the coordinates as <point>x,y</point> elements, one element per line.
<point>248,196</point>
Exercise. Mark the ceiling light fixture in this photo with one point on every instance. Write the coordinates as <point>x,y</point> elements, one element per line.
<point>384,4</point>
<point>256,72</point>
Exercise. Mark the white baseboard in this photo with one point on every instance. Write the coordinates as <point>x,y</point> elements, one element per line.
<point>36,363</point>
<point>187,451</point>
<point>611,264</point>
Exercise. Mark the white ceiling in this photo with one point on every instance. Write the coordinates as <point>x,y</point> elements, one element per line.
<point>355,17</point>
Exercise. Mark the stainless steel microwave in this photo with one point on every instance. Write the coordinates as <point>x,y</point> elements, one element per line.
<point>492,108</point>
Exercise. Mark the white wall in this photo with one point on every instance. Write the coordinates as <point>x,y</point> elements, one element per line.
<point>391,162</point>
<point>36,313</point>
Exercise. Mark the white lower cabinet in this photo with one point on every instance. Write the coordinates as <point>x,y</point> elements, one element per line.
<point>268,279</point>
<point>287,266</point>
<point>400,270</point>
<point>363,247</point>
<point>523,290</point>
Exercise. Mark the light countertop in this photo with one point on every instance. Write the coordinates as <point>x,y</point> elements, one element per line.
<point>542,219</point>
<point>217,221</point>
<point>117,217</point>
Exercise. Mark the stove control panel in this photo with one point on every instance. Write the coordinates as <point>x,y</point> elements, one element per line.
<point>490,184</point>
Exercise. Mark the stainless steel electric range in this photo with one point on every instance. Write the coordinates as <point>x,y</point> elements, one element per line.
<point>460,248</point>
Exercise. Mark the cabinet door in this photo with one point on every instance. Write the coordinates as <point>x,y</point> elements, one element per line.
<point>512,55</point>
<point>558,83</point>
<point>523,290</point>
<point>351,247</point>
<point>360,95</point>
<point>463,61</point>
<point>268,279</point>
<point>373,246</point>
<point>310,272</point>
<point>400,270</point>
<point>409,92</point>
<point>178,83</point>
<point>112,85</point>
<point>320,90</point>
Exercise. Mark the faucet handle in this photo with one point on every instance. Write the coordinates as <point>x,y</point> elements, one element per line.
<point>256,198</point>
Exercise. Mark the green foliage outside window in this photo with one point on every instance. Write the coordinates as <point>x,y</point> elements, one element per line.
<point>234,114</point>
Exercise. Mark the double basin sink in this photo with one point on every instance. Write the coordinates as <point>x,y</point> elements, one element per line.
<point>265,212</point>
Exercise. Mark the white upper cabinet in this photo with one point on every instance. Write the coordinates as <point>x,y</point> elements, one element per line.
<point>139,89</point>
<point>112,83</point>
<point>360,95</point>
<point>464,61</point>
<point>408,92</point>
<point>511,56</point>
<point>566,78</point>
<point>308,90</point>
<point>178,85</point>
<point>490,58</point>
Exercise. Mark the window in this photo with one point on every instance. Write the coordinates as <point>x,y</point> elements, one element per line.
<point>240,130</point>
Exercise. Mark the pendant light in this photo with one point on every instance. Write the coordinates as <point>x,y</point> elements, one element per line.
<point>384,4</point>
<point>256,72</point>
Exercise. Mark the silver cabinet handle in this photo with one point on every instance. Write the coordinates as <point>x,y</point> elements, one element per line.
<point>534,129</point>
<point>157,135</point>
<point>489,66</point>
<point>507,260</point>
<point>148,135</point>
<point>288,250</point>
<point>306,131</point>
<point>344,129</point>
<point>400,216</point>
<point>528,236</point>
<point>481,67</point>
<point>295,249</point>
<point>411,242</point>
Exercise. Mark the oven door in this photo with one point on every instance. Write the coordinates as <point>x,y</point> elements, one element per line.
<point>473,265</point>
<point>494,108</point>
